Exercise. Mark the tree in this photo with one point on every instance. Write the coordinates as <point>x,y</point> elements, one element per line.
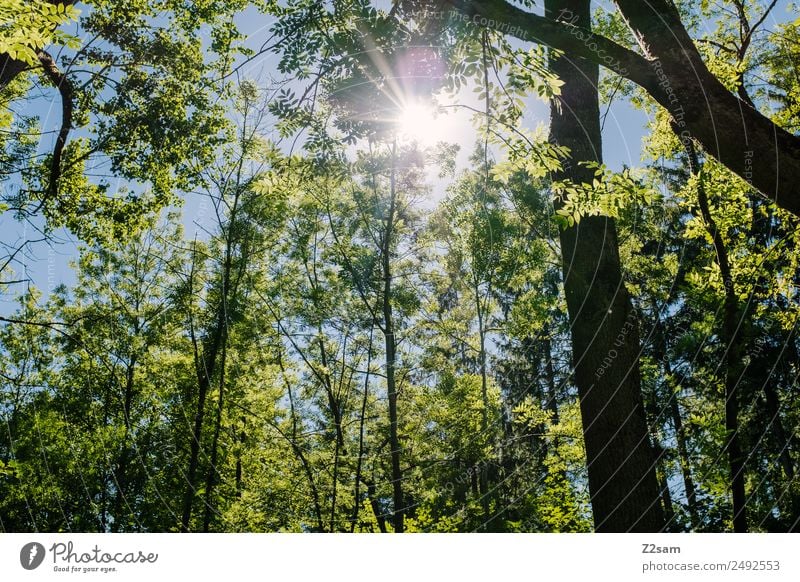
<point>386,222</point>
<point>603,324</point>
<point>245,218</point>
<point>102,396</point>
<point>336,349</point>
<point>137,89</point>
<point>671,69</point>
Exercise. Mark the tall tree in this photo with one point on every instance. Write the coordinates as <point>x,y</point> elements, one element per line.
<point>137,90</point>
<point>244,222</point>
<point>621,462</point>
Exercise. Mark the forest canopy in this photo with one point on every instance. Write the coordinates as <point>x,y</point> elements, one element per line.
<point>357,266</point>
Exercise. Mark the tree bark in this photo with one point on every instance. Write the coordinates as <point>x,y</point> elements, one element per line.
<point>212,474</point>
<point>621,464</point>
<point>205,370</point>
<point>205,364</point>
<point>10,67</point>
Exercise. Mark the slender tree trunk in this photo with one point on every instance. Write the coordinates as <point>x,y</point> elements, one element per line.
<point>298,451</point>
<point>666,496</point>
<point>683,456</point>
<point>654,411</point>
<point>391,347</point>
<point>483,477</point>
<point>732,344</point>
<point>213,349</point>
<point>790,510</point>
<point>361,422</point>
<point>121,474</point>
<point>685,461</point>
<point>205,364</point>
<point>551,405</point>
<point>333,401</point>
<point>334,493</point>
<point>376,509</point>
<point>480,304</point>
<point>108,477</point>
<point>205,368</point>
<point>782,440</point>
<point>550,375</point>
<point>621,462</point>
<point>677,422</point>
<point>213,473</point>
<point>242,443</point>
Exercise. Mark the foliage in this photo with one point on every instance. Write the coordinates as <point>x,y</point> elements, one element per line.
<point>240,379</point>
<point>27,28</point>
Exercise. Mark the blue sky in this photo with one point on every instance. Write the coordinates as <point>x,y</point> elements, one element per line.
<point>48,265</point>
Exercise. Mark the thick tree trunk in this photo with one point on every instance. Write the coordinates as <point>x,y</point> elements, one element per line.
<point>621,463</point>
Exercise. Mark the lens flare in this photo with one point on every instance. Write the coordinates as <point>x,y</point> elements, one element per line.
<point>422,123</point>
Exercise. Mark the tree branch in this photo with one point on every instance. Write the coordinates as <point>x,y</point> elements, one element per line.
<point>65,88</point>
<point>560,33</point>
<point>10,67</point>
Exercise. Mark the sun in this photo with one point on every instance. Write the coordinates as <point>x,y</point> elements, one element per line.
<point>421,123</point>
